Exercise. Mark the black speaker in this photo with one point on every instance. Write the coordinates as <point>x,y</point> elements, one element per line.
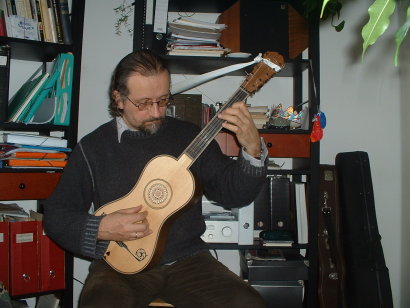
<point>256,26</point>
<point>272,206</point>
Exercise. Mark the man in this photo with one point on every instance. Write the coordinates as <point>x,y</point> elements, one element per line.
<point>106,165</point>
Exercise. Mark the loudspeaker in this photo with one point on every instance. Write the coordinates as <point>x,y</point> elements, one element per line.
<point>256,26</point>
<point>273,205</point>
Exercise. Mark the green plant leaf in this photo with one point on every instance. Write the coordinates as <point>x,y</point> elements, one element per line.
<point>400,35</point>
<point>323,7</point>
<point>379,12</point>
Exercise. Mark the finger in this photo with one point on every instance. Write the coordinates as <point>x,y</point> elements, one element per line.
<point>131,210</point>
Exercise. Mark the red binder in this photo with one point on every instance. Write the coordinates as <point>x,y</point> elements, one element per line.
<point>4,254</point>
<point>23,258</point>
<point>52,264</point>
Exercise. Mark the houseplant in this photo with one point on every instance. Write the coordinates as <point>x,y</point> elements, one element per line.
<point>379,19</point>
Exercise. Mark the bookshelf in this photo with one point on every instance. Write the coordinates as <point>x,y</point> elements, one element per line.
<point>38,184</point>
<point>303,70</point>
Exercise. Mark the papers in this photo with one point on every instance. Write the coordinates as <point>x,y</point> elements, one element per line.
<point>12,209</point>
<point>191,37</point>
<point>29,139</point>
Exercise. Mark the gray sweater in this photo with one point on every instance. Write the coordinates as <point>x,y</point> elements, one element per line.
<point>102,169</point>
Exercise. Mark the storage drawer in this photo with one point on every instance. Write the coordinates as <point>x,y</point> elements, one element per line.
<point>287,145</point>
<point>27,186</point>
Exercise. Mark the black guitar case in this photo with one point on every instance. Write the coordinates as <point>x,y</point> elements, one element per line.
<point>331,276</point>
<point>368,282</point>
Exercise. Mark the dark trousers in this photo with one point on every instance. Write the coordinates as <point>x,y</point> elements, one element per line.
<point>196,281</point>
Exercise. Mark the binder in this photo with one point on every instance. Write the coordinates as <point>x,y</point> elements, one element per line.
<point>63,89</point>
<point>53,104</point>
<point>23,258</point>
<point>52,264</point>
<point>4,81</point>
<point>4,254</point>
<point>20,103</point>
<point>46,91</point>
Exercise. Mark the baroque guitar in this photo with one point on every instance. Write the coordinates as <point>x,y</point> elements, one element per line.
<point>166,184</point>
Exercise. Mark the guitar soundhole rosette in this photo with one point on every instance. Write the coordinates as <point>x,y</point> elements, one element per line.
<point>157,194</point>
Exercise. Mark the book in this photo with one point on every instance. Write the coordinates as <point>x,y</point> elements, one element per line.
<point>46,22</point>
<point>200,53</point>
<point>21,27</point>
<point>4,81</point>
<point>199,23</point>
<point>26,95</point>
<point>268,243</point>
<point>3,29</point>
<point>34,163</point>
<point>301,215</point>
<point>37,155</point>
<point>53,27</point>
<point>8,148</point>
<point>12,209</point>
<point>65,21</point>
<point>265,254</point>
<point>37,140</point>
<point>57,21</point>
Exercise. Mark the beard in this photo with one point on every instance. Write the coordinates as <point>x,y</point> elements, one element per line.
<point>152,126</point>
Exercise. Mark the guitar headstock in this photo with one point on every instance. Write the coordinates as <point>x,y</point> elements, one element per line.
<point>262,72</point>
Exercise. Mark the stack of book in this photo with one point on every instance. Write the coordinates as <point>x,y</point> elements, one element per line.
<point>12,212</point>
<point>260,115</point>
<point>40,20</point>
<point>33,151</point>
<point>46,96</point>
<point>192,37</point>
<point>276,238</point>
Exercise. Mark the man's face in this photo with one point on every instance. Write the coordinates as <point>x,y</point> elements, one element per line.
<point>142,89</point>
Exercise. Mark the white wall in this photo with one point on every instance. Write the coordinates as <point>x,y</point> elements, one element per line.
<point>362,102</point>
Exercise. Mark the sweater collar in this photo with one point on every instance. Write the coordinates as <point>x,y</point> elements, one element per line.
<point>122,127</point>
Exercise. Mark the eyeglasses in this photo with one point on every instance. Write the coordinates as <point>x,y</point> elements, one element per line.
<point>146,104</point>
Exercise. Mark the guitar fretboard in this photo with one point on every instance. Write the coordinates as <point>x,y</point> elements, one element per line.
<point>198,145</point>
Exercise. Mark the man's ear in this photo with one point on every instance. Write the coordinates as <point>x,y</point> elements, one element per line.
<point>116,96</point>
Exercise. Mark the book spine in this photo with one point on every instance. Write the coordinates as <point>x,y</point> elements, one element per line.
<point>4,81</point>
<point>52,21</point>
<point>45,21</point>
<point>65,21</point>
<point>3,30</point>
<point>40,23</point>
<point>57,20</point>
<point>34,162</point>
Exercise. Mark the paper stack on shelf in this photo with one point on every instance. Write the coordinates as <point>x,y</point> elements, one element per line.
<point>260,115</point>
<point>192,37</point>
<point>33,151</point>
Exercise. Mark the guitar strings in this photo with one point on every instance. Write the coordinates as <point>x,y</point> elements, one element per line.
<point>213,127</point>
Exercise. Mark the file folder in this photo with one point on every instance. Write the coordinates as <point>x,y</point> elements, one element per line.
<point>4,254</point>
<point>52,276</point>
<point>23,258</point>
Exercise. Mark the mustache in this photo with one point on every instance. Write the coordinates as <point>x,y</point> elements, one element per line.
<point>153,119</point>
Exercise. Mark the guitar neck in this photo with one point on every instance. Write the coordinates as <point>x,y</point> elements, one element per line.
<point>204,138</point>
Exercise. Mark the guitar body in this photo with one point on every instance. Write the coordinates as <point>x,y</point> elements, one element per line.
<point>165,186</point>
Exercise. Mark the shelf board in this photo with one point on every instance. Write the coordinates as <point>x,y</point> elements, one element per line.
<point>209,6</point>
<point>33,50</point>
<point>33,127</point>
<point>200,65</point>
